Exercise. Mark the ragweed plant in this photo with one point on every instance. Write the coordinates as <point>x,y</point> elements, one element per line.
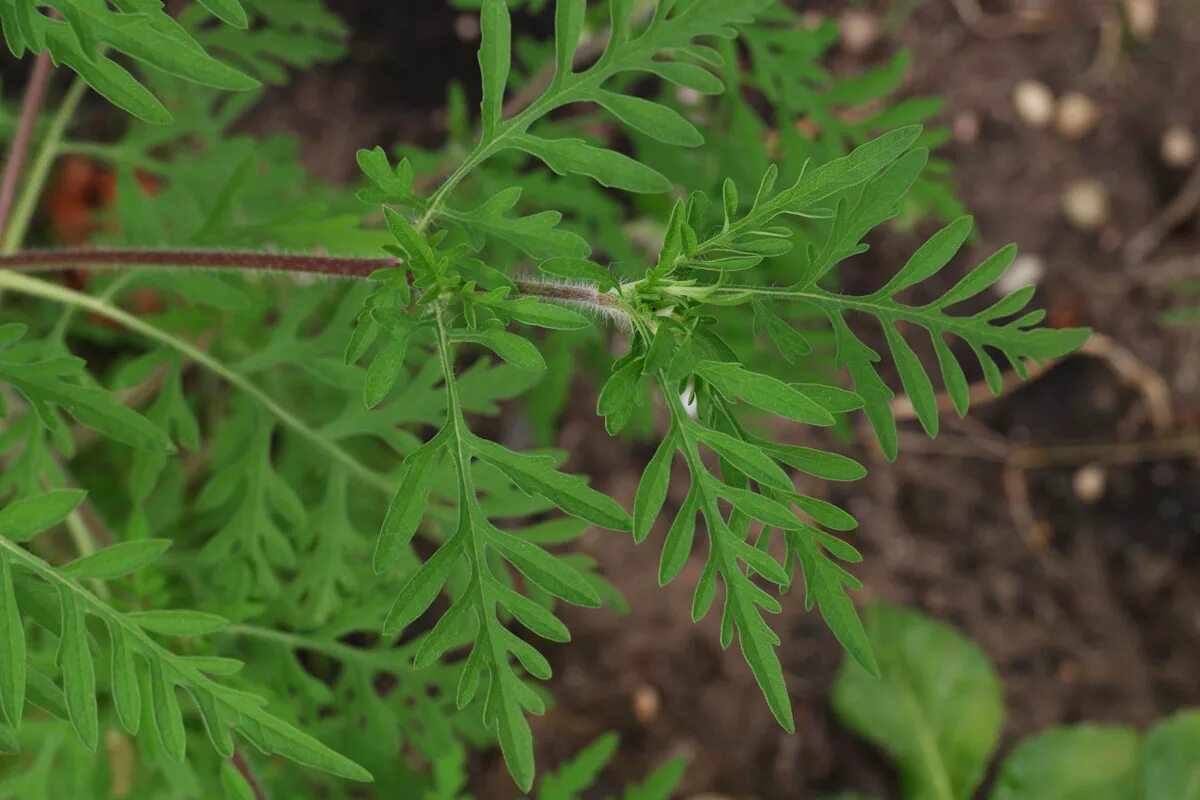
<point>297,509</point>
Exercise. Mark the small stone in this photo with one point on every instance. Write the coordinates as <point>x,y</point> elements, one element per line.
<point>1178,148</point>
<point>688,96</point>
<point>1034,103</point>
<point>1141,17</point>
<point>1077,115</point>
<point>466,27</point>
<point>1027,270</point>
<point>1090,483</point>
<point>1086,204</point>
<point>966,127</point>
<point>859,30</point>
<point>646,704</point>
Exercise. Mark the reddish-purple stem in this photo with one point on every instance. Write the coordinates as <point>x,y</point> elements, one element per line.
<point>243,766</point>
<point>30,107</point>
<point>42,260</point>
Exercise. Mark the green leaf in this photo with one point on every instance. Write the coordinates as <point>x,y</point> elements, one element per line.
<point>652,488</point>
<point>980,278</point>
<point>689,76</point>
<point>533,616</point>
<point>762,508</point>
<point>516,350</point>
<point>570,493</point>
<point>1092,762</point>
<point>660,784</point>
<point>21,520</point>
<point>792,346</point>
<point>763,391</point>
<point>544,569</point>
<point>120,559</point>
<point>826,514</point>
<point>494,61</point>
<point>607,167</point>
<point>408,504</point>
<point>929,257</point>
<point>516,740</point>
<point>425,584</point>
<point>652,119</point>
<point>914,379</point>
<point>568,24</point>
<point>1170,759</point>
<point>168,719</point>
<point>579,774</point>
<point>678,544</point>
<point>12,660</point>
<point>818,463</point>
<point>749,459</point>
<point>78,671</point>
<point>127,696</point>
<point>228,11</point>
<point>531,311</point>
<point>420,254</point>
<point>110,80</point>
<point>620,395</point>
<point>936,707</point>
<point>11,333</point>
<point>178,622</point>
<point>94,408</point>
<point>385,369</point>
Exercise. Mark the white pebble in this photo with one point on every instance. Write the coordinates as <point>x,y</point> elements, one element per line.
<point>1141,16</point>
<point>1086,204</point>
<point>966,127</point>
<point>1034,103</point>
<point>1090,483</point>
<point>1077,115</point>
<point>859,31</point>
<point>1178,148</point>
<point>1026,270</point>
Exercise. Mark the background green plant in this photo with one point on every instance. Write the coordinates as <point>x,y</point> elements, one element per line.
<point>232,550</point>
<point>936,710</point>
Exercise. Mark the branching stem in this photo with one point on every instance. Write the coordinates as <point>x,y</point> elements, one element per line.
<point>31,106</point>
<point>35,287</point>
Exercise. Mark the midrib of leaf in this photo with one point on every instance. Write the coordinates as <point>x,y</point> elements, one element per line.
<point>727,564</point>
<point>372,659</point>
<point>466,485</point>
<point>982,333</point>
<point>36,287</point>
<point>927,745</point>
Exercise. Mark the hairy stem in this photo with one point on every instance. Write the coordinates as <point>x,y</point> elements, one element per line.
<point>31,106</point>
<point>116,259</point>
<point>32,261</point>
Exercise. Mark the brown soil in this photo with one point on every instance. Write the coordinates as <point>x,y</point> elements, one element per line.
<point>1089,610</point>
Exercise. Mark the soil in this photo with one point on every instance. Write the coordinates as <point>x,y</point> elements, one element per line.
<point>1088,605</point>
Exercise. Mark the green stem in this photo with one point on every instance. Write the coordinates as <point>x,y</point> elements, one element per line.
<point>35,287</point>
<point>383,659</point>
<point>40,169</point>
<point>821,298</point>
